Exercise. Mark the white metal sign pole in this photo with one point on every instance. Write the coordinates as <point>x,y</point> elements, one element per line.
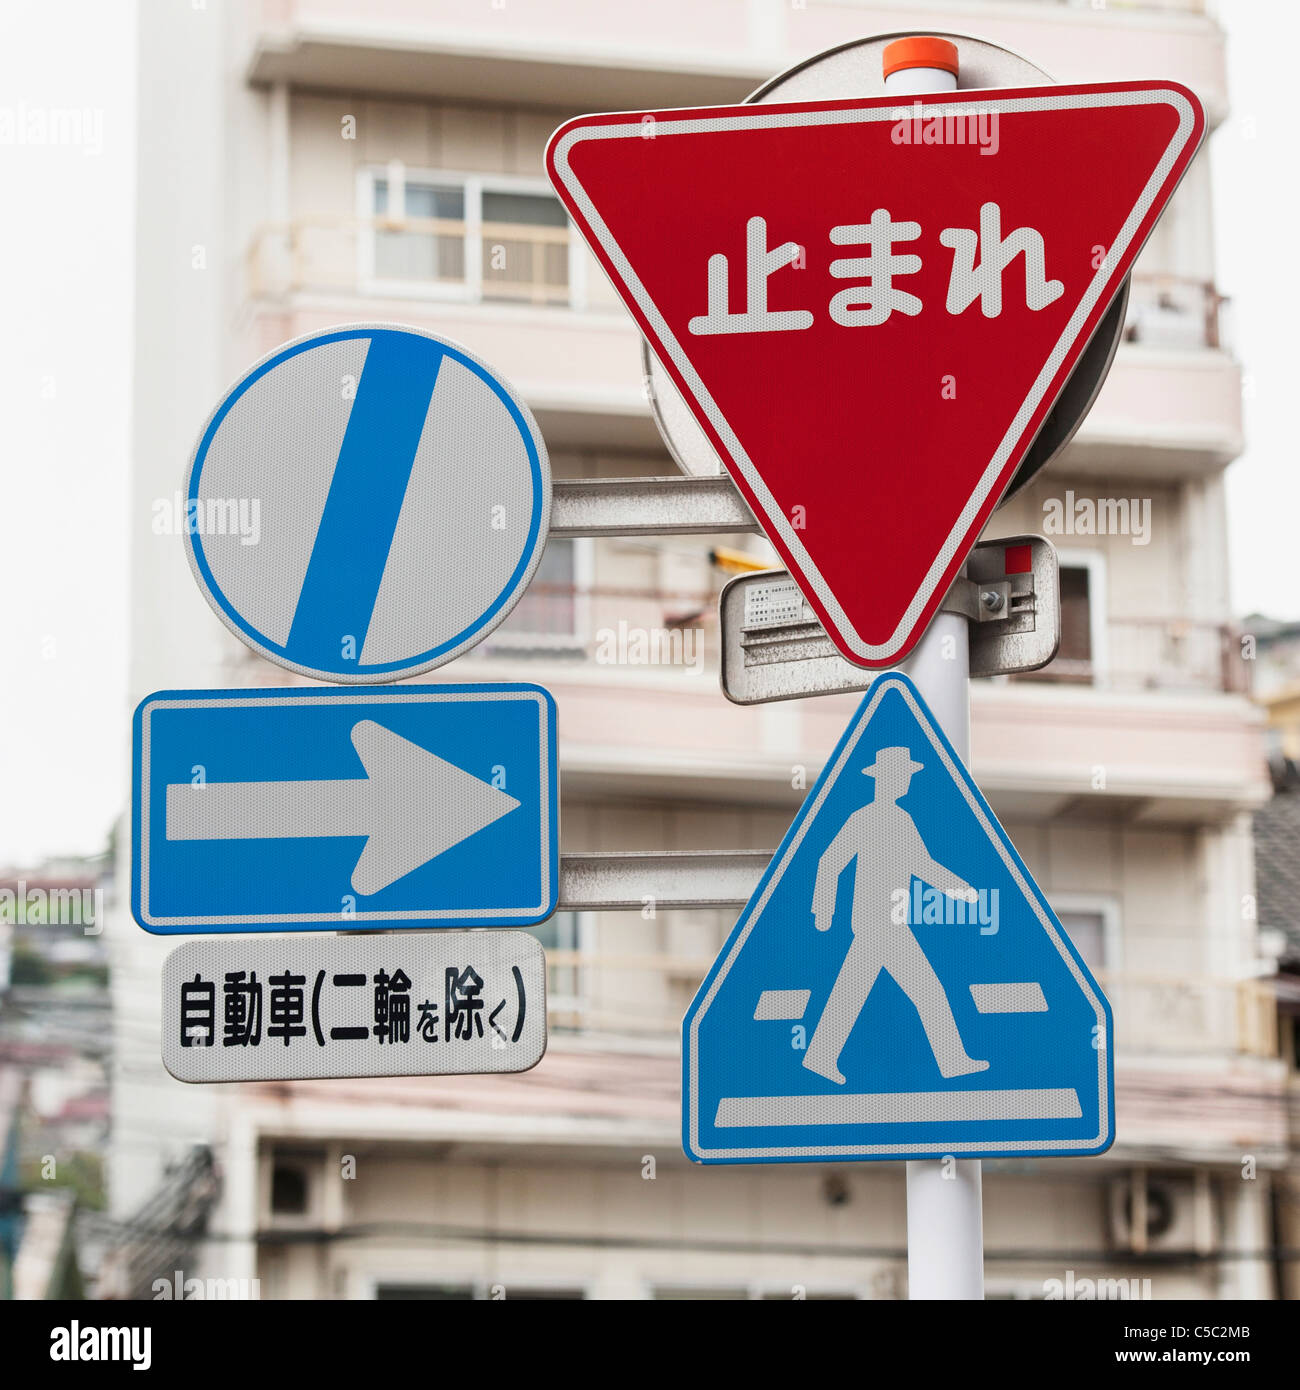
<point>945,1221</point>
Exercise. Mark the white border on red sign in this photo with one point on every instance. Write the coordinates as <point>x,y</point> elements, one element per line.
<point>765,119</point>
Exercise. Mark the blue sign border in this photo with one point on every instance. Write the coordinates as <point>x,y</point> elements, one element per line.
<point>897,1153</point>
<point>434,656</point>
<point>352,695</point>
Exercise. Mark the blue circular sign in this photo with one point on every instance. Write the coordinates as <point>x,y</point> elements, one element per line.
<point>367,503</point>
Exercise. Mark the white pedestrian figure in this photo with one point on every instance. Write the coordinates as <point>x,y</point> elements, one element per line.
<point>884,840</point>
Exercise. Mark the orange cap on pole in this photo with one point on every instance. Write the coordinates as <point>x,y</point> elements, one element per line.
<point>920,52</point>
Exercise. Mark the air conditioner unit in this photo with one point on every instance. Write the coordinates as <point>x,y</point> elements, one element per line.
<point>1180,1213</point>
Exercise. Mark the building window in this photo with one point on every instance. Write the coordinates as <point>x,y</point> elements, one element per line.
<point>1076,621</point>
<point>552,612</point>
<point>1081,657</point>
<point>700,1293</point>
<point>391,1293</point>
<point>288,1190</point>
<point>435,251</point>
<point>525,247</point>
<point>481,238</point>
<point>402,1293</point>
<point>545,1295</point>
<point>1088,932</point>
<point>1092,924</point>
<point>562,936</point>
<point>1289,1048</point>
<point>696,1293</point>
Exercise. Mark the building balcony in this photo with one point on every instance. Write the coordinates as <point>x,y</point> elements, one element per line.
<point>576,363</point>
<point>1041,752</point>
<point>1171,406</point>
<point>605,1094</point>
<point>1163,734</point>
<point>1189,1048</point>
<point>587,55</point>
<point>1148,757</point>
<point>1165,719</point>
<point>530,300</point>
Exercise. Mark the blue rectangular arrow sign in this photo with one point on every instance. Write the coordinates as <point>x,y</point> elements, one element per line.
<point>312,809</point>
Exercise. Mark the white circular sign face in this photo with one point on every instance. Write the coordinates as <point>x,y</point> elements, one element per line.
<point>367,503</point>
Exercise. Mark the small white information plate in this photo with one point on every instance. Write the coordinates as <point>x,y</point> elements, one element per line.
<point>387,1004</point>
<point>775,603</point>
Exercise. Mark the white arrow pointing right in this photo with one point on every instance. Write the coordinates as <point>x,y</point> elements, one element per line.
<point>411,805</point>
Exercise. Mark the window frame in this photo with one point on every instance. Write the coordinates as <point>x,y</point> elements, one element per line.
<point>753,1290</point>
<point>1094,563</point>
<point>505,643</point>
<point>480,1287</point>
<point>311,1166</point>
<point>472,187</point>
<point>577,1004</point>
<point>1104,905</point>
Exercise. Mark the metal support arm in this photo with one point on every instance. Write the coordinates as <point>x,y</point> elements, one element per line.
<point>676,506</point>
<point>672,879</point>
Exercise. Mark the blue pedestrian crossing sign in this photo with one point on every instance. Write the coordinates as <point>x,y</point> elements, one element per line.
<point>366,503</point>
<point>312,809</point>
<point>897,987</point>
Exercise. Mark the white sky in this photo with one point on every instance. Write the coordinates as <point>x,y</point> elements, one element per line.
<point>65,359</point>
<point>1256,165</point>
<point>65,283</point>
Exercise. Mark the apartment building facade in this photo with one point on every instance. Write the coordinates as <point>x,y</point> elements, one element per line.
<point>304,163</point>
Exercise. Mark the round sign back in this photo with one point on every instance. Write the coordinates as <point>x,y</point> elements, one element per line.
<point>854,70</point>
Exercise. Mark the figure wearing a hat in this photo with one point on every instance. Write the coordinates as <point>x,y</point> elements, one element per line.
<point>884,840</point>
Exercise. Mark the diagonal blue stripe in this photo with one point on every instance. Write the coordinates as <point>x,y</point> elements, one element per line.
<point>365,497</point>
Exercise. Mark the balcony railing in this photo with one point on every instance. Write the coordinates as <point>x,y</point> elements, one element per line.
<point>646,996</point>
<point>1174,311</point>
<point>622,626</point>
<point>1165,654</point>
<point>424,256</point>
<point>647,626</point>
<point>1171,6</point>
<point>614,625</point>
<point>417,256</point>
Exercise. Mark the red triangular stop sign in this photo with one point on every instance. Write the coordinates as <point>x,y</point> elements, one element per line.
<point>871,307</point>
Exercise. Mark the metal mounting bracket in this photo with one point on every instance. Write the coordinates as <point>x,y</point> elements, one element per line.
<point>774,647</point>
